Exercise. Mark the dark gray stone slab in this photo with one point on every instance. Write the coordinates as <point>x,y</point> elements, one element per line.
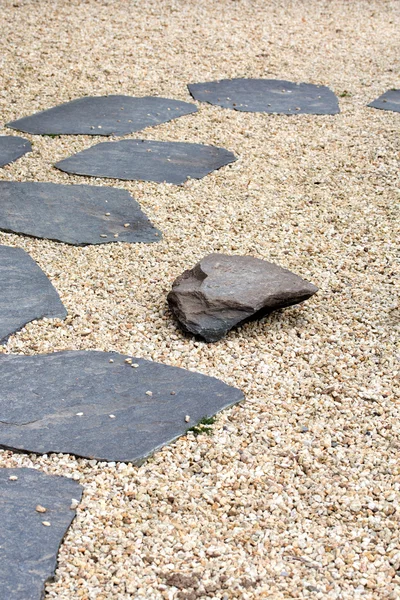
<point>28,549</point>
<point>104,115</point>
<point>221,292</point>
<point>25,292</point>
<point>390,100</point>
<point>96,405</point>
<point>74,214</point>
<point>267,95</point>
<point>171,162</point>
<point>12,147</point>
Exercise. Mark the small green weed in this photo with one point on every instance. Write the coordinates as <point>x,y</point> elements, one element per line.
<point>203,426</point>
<point>51,135</point>
<point>345,94</point>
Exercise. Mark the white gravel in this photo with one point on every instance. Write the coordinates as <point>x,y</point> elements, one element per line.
<point>296,492</point>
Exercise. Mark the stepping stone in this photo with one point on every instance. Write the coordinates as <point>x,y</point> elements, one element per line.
<point>222,292</point>
<point>170,162</point>
<point>104,115</point>
<point>26,292</point>
<point>101,405</point>
<point>390,100</point>
<point>36,512</point>
<point>267,95</point>
<point>74,214</point>
<point>12,147</point>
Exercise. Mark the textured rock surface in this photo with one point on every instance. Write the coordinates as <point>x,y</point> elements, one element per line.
<point>390,100</point>
<point>26,293</point>
<point>75,214</point>
<point>28,547</point>
<point>172,162</point>
<point>267,95</point>
<point>96,405</point>
<point>12,147</point>
<point>104,115</point>
<point>223,291</point>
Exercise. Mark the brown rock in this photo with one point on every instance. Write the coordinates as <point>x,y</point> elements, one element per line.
<point>182,581</point>
<point>221,292</point>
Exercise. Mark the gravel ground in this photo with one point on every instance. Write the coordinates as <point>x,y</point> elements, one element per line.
<point>295,494</point>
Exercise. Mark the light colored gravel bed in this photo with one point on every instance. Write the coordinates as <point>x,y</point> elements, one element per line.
<point>296,492</point>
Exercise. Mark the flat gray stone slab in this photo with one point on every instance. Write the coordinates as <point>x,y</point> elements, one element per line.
<point>222,291</point>
<point>96,405</point>
<point>267,95</point>
<point>170,162</point>
<point>29,548</point>
<point>74,214</point>
<point>25,292</point>
<point>390,100</point>
<point>12,147</point>
<point>104,115</point>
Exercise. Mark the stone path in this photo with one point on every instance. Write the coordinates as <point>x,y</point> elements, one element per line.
<point>36,511</point>
<point>26,293</point>
<point>320,506</point>
<point>170,162</point>
<point>12,148</point>
<point>103,115</point>
<point>100,405</point>
<point>106,406</point>
<point>74,214</point>
<point>267,95</point>
<point>390,100</point>
<point>97,405</point>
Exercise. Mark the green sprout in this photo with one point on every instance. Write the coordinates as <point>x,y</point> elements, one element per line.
<point>203,427</point>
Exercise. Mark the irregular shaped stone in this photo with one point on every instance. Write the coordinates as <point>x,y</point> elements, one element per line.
<point>390,100</point>
<point>267,95</point>
<point>12,147</point>
<point>96,405</point>
<point>74,214</point>
<point>30,537</point>
<point>171,162</point>
<point>25,293</point>
<point>221,292</point>
<point>104,115</point>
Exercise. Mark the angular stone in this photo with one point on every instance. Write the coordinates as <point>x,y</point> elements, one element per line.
<point>85,404</point>
<point>104,115</point>
<point>12,147</point>
<point>28,548</point>
<point>26,293</point>
<point>221,292</point>
<point>390,100</point>
<point>267,95</point>
<point>74,214</point>
<point>170,162</point>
